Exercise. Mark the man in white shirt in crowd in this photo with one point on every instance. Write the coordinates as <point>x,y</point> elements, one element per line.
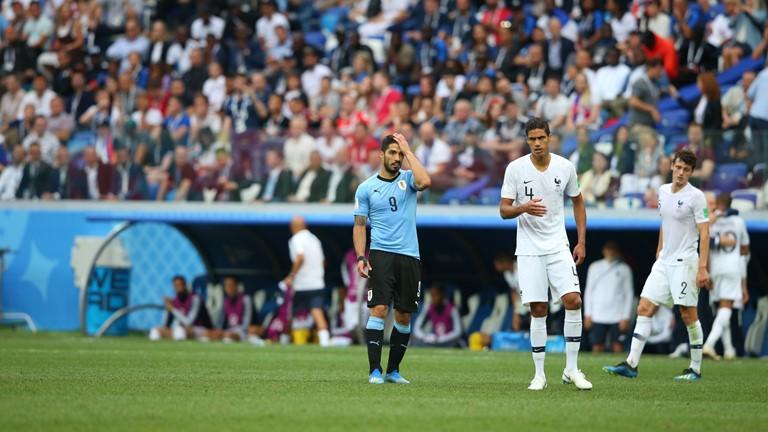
<point>40,134</point>
<point>307,276</point>
<point>265,26</point>
<point>610,78</point>
<point>313,73</point>
<point>680,268</point>
<point>40,97</point>
<point>133,41</point>
<point>553,106</point>
<point>11,176</point>
<point>434,153</point>
<point>608,300</point>
<point>298,147</point>
<point>206,24</point>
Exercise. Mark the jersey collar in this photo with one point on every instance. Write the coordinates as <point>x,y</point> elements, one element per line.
<point>378,176</point>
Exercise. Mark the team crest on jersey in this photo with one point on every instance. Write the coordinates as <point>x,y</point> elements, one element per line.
<point>679,203</point>
<point>558,184</point>
<point>401,184</point>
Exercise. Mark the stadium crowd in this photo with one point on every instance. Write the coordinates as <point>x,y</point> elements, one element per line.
<point>286,100</point>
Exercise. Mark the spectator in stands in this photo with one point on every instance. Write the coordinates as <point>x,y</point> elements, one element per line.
<point>60,186</point>
<point>312,185</point>
<point>329,143</point>
<point>611,78</point>
<point>277,122</point>
<point>307,275</point>
<point>582,156</point>
<point>460,123</point>
<point>705,157</point>
<point>647,157</point>
<point>434,153</point>
<point>735,117</point>
<point>10,104</point>
<point>35,177</point>
<point>663,175</point>
<point>179,180</point>
<point>439,325</point>
<point>277,183</point>
<point>44,138</point>
<point>10,177</point>
<point>656,46</point>
<point>688,27</point>
<point>133,41</point>
<point>186,316</point>
<point>620,19</point>
<point>553,106</point>
<point>104,111</point>
<point>362,145</point>
<point>37,30</point>
<point>643,103</point>
<point>747,20</point>
<point>656,20</point>
<point>81,98</point>
<point>39,96</point>
<point>180,50</point>
<point>157,51</point>
<point>327,101</point>
<point>60,123</point>
<point>95,181</point>
<point>130,180</point>
<point>758,116</point>
<point>584,108</point>
<point>265,26</point>
<point>708,110</point>
<point>314,72</point>
<point>343,181</point>
<point>176,123</point>
<point>599,184</point>
<point>533,71</point>
<point>558,50</point>
<point>470,162</point>
<point>608,300</point>
<point>298,147</point>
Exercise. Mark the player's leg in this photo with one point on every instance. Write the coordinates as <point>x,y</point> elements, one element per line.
<point>534,291</point>
<point>157,333</point>
<point>616,337</point>
<point>597,337</point>
<point>406,302</point>
<point>316,303</point>
<point>720,326</point>
<point>687,299</point>
<point>379,294</point>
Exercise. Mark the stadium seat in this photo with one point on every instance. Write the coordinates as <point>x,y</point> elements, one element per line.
<point>80,140</point>
<point>628,201</point>
<point>315,40</point>
<point>490,196</point>
<point>729,177</point>
<point>758,175</point>
<point>747,199</point>
<point>462,195</point>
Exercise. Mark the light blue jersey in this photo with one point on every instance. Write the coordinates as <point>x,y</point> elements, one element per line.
<point>390,205</point>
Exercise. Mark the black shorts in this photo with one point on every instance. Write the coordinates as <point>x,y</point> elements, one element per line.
<point>308,300</point>
<point>605,334</point>
<point>394,279</point>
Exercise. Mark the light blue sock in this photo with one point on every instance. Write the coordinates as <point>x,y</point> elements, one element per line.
<point>403,328</point>
<point>375,323</point>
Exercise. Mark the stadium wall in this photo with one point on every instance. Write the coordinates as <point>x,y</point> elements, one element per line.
<point>458,245</point>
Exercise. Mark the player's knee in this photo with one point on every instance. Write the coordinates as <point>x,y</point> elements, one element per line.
<point>572,301</point>
<point>689,315</point>
<point>380,311</point>
<point>403,318</point>
<point>539,310</point>
<point>645,308</point>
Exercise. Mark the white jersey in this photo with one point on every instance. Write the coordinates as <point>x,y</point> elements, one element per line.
<point>727,260</point>
<point>680,214</point>
<point>609,294</point>
<point>311,274</point>
<point>522,182</point>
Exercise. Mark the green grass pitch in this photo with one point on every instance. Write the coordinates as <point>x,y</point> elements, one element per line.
<point>59,382</point>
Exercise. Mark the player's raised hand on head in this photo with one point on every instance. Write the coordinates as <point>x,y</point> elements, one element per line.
<point>402,142</point>
<point>579,253</point>
<point>535,207</point>
<point>364,268</point>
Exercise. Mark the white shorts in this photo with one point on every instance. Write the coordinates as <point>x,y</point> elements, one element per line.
<point>672,284</point>
<point>726,287</point>
<point>540,273</point>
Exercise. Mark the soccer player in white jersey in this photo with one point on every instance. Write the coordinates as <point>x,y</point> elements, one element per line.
<point>532,192</point>
<point>729,245</point>
<point>679,270</point>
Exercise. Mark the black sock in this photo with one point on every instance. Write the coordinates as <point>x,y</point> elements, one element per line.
<point>398,343</point>
<point>373,339</point>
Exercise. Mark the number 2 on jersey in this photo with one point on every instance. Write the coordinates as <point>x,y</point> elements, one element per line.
<point>393,203</point>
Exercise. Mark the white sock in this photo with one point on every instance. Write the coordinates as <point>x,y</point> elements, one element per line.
<point>572,333</point>
<point>324,336</point>
<point>696,340</point>
<point>538,343</point>
<point>154,334</point>
<point>721,324</point>
<point>642,330</point>
<point>727,340</point>
<point>179,333</point>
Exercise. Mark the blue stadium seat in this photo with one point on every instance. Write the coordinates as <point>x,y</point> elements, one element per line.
<point>751,195</point>
<point>462,195</point>
<point>490,196</point>
<point>729,177</point>
<point>315,39</point>
<point>80,140</point>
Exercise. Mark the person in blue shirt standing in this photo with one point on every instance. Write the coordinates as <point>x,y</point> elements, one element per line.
<point>393,270</point>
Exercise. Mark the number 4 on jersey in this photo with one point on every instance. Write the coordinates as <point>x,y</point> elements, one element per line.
<point>529,192</point>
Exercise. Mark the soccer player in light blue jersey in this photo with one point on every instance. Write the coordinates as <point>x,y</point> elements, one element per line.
<point>393,268</point>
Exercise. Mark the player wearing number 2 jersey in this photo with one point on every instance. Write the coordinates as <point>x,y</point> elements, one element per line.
<point>679,270</point>
<point>533,192</point>
<point>389,201</point>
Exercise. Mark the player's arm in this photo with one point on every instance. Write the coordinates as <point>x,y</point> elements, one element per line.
<point>702,276</point>
<point>359,239</point>
<point>420,176</point>
<point>297,263</point>
<point>661,242</point>
<point>508,209</point>
<point>580,215</point>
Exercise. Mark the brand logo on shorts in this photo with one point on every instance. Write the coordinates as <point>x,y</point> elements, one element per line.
<point>370,295</point>
<point>401,184</point>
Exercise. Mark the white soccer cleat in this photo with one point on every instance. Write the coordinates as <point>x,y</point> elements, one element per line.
<point>708,351</point>
<point>538,383</point>
<point>729,355</point>
<point>154,334</point>
<point>578,379</point>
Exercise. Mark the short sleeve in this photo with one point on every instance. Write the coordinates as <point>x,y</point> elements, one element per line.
<point>410,180</point>
<point>700,210</point>
<point>361,201</point>
<point>572,187</point>
<point>743,235</point>
<point>508,189</point>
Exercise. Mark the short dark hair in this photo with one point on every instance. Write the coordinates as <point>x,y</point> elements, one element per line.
<point>653,62</point>
<point>179,277</point>
<point>685,156</point>
<point>537,123</point>
<point>386,141</point>
<point>724,199</point>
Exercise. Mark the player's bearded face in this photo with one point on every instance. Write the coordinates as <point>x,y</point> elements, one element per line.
<point>393,158</point>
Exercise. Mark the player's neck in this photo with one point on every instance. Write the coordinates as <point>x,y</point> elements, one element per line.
<point>541,163</point>
<point>676,188</point>
<point>386,175</point>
